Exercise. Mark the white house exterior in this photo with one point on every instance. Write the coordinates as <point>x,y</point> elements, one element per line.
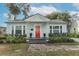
<point>36,26</point>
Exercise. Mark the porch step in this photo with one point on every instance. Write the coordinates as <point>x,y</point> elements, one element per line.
<point>37,41</point>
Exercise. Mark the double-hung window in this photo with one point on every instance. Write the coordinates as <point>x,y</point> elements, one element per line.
<point>18,30</point>
<point>55,29</point>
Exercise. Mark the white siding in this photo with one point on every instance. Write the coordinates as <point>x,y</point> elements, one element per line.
<point>64,28</point>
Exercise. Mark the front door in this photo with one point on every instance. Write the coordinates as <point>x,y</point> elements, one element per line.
<point>37,31</point>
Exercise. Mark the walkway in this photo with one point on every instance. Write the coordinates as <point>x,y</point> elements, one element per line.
<point>44,47</point>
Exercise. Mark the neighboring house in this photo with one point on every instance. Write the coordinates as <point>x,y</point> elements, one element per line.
<point>75,24</point>
<point>2,30</point>
<point>36,26</point>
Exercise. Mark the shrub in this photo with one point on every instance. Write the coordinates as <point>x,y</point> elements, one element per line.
<point>59,38</point>
<point>2,39</point>
<point>71,35</point>
<point>15,39</point>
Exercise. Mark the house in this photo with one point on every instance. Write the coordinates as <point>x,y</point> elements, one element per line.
<point>2,30</point>
<point>74,24</point>
<point>36,26</point>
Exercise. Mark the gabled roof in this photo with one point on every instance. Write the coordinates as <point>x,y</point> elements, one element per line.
<point>37,18</point>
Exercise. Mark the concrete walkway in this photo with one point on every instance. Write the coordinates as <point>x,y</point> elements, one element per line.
<point>44,47</point>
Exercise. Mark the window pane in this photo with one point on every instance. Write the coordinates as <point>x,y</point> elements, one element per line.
<point>55,31</point>
<point>55,27</point>
<point>18,27</point>
<point>18,32</point>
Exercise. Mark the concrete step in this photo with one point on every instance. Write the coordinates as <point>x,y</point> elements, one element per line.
<point>37,41</point>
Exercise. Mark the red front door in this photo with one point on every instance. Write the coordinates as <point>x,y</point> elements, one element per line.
<point>37,31</point>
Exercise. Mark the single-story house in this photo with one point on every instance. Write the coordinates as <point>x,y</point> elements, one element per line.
<point>74,24</point>
<point>36,26</point>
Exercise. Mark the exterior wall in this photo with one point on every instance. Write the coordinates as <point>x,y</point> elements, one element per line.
<point>64,28</point>
<point>10,25</point>
<point>43,29</point>
<point>9,28</point>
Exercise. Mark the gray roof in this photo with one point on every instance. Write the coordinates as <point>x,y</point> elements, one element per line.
<point>57,21</point>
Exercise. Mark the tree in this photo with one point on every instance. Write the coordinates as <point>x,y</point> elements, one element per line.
<point>54,15</point>
<point>65,16</point>
<point>25,8</point>
<point>17,8</point>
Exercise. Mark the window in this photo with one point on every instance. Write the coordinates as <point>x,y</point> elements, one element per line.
<point>18,30</point>
<point>55,29</point>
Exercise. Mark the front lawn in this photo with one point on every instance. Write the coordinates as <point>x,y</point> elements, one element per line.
<point>13,49</point>
<point>21,49</point>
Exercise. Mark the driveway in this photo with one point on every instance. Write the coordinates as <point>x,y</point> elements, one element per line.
<point>75,39</point>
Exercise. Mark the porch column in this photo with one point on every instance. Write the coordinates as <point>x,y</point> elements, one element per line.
<point>22,30</point>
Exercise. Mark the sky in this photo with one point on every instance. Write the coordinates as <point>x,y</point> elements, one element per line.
<point>42,8</point>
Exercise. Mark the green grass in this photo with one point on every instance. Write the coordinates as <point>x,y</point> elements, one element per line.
<point>54,53</point>
<point>73,43</point>
<point>21,50</point>
<point>13,49</point>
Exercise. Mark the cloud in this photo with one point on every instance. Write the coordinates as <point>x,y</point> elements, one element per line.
<point>76,5</point>
<point>44,10</point>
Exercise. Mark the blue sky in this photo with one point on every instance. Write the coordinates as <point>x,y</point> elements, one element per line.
<point>40,8</point>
